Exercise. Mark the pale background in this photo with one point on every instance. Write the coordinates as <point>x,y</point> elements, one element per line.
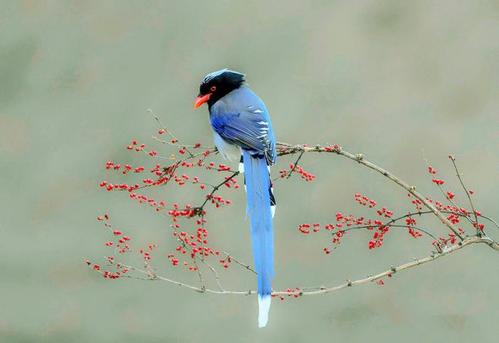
<point>399,81</point>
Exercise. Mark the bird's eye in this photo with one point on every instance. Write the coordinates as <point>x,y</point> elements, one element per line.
<point>213,88</point>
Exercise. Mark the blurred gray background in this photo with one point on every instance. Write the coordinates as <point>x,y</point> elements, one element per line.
<point>399,81</point>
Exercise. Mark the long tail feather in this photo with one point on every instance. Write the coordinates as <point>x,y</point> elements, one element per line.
<point>258,209</point>
<point>273,203</point>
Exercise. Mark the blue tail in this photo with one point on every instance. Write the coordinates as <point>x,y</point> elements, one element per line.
<point>257,180</point>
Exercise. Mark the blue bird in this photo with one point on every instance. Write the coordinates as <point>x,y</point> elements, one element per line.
<point>242,130</point>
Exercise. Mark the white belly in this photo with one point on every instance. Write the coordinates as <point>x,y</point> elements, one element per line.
<point>228,151</point>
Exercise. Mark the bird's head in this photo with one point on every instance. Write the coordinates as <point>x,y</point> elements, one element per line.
<point>217,84</point>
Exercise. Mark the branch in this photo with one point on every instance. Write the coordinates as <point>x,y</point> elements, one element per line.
<point>287,149</point>
<point>197,252</point>
<point>323,290</point>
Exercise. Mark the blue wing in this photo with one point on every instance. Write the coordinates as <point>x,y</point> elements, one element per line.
<point>242,119</point>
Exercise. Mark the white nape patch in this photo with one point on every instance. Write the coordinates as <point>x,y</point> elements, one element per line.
<point>214,74</point>
<point>263,310</point>
<point>272,210</point>
<point>258,111</point>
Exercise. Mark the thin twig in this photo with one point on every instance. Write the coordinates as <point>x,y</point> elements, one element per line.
<point>295,165</point>
<point>200,275</point>
<point>174,139</point>
<point>453,160</point>
<point>490,220</point>
<point>245,266</point>
<point>199,209</point>
<point>215,274</point>
<point>391,225</point>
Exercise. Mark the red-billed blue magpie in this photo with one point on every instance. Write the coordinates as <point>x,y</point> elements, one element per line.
<point>241,124</point>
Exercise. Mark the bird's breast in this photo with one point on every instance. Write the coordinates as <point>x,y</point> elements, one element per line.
<point>228,151</point>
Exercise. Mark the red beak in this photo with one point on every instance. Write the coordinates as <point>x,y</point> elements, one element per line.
<point>201,100</point>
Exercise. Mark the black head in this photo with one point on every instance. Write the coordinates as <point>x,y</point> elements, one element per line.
<point>216,85</point>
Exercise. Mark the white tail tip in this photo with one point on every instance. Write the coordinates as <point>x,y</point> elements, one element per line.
<point>263,309</point>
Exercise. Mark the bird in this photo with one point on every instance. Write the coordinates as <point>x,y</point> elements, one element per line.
<point>242,130</point>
